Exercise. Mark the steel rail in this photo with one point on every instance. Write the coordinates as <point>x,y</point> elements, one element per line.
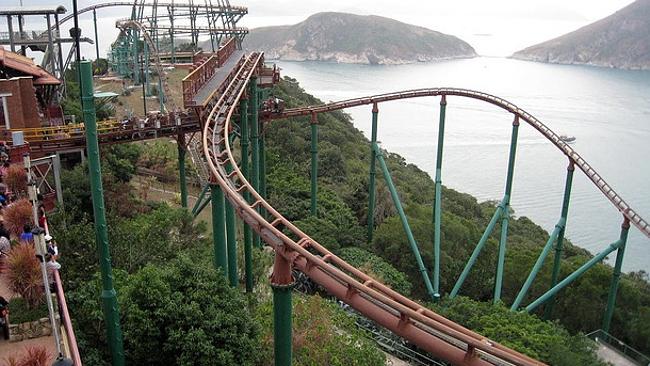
<point>240,9</point>
<point>554,138</point>
<point>423,327</point>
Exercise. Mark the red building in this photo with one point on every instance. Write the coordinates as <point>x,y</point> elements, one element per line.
<point>26,93</point>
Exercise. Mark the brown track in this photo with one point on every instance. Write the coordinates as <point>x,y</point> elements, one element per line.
<point>421,326</point>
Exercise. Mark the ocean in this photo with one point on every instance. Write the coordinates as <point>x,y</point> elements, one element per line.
<point>607,110</point>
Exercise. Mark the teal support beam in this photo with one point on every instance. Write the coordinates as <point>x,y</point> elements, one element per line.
<point>201,202</point>
<point>314,164</point>
<point>255,138</point>
<point>282,284</point>
<point>613,288</point>
<point>557,261</point>
<point>477,251</point>
<point>505,215</point>
<point>373,168</point>
<point>108,296</point>
<point>96,37</point>
<point>180,144</point>
<point>437,205</point>
<point>573,276</point>
<point>248,236</point>
<point>145,71</point>
<point>263,168</point>
<point>231,242</point>
<point>219,229</point>
<point>538,264</point>
<point>402,216</point>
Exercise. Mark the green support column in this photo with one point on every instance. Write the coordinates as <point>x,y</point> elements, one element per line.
<point>371,184</point>
<point>248,242</point>
<point>505,215</point>
<point>262,166</point>
<point>219,229</point>
<point>437,206</point>
<point>573,276</point>
<point>548,310</point>
<point>181,168</point>
<point>405,224</point>
<point>255,157</point>
<point>96,37</point>
<point>146,81</point>
<point>314,164</point>
<point>231,241</point>
<point>108,296</point>
<point>613,289</point>
<point>477,251</point>
<point>538,265</point>
<point>282,284</point>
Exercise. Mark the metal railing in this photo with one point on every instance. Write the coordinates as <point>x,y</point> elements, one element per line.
<point>620,346</point>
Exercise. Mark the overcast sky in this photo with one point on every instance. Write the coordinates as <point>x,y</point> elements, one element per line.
<point>494,28</point>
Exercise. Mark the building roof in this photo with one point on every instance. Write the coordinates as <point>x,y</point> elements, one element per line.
<point>27,66</point>
<point>32,10</point>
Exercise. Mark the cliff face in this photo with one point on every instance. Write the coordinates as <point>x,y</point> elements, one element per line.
<point>622,40</point>
<point>348,38</point>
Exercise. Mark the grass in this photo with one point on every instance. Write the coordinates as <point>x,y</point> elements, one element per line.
<point>132,104</point>
<point>19,312</point>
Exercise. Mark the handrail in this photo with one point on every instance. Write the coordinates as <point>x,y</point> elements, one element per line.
<point>423,327</point>
<point>554,138</point>
<point>67,322</point>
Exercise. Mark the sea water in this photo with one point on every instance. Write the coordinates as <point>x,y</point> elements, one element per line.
<point>608,112</point>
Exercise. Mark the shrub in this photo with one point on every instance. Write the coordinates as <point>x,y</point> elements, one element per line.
<point>32,356</point>
<point>16,179</point>
<point>377,268</point>
<point>16,215</point>
<point>24,274</point>
<point>180,314</point>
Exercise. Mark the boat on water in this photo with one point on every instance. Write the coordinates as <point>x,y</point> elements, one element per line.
<point>567,139</point>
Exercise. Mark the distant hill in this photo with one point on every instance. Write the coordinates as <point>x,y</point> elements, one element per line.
<point>622,40</point>
<point>349,38</point>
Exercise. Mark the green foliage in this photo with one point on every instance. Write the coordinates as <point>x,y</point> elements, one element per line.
<point>377,268</point>
<point>323,334</point>
<point>121,160</point>
<point>154,237</point>
<point>546,341</point>
<point>21,312</point>
<point>162,157</point>
<point>177,314</point>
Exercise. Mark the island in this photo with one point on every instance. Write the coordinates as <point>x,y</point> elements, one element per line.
<point>620,40</point>
<point>350,38</point>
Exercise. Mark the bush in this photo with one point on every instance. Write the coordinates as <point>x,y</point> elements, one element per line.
<point>32,356</point>
<point>377,268</point>
<point>179,314</point>
<point>16,179</point>
<point>545,341</point>
<point>24,274</point>
<point>17,215</point>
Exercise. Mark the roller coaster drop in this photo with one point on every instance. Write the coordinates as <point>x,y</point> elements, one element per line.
<point>238,188</point>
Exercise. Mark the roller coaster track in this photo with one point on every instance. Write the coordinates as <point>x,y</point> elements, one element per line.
<point>243,10</point>
<point>421,326</point>
<point>554,138</point>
